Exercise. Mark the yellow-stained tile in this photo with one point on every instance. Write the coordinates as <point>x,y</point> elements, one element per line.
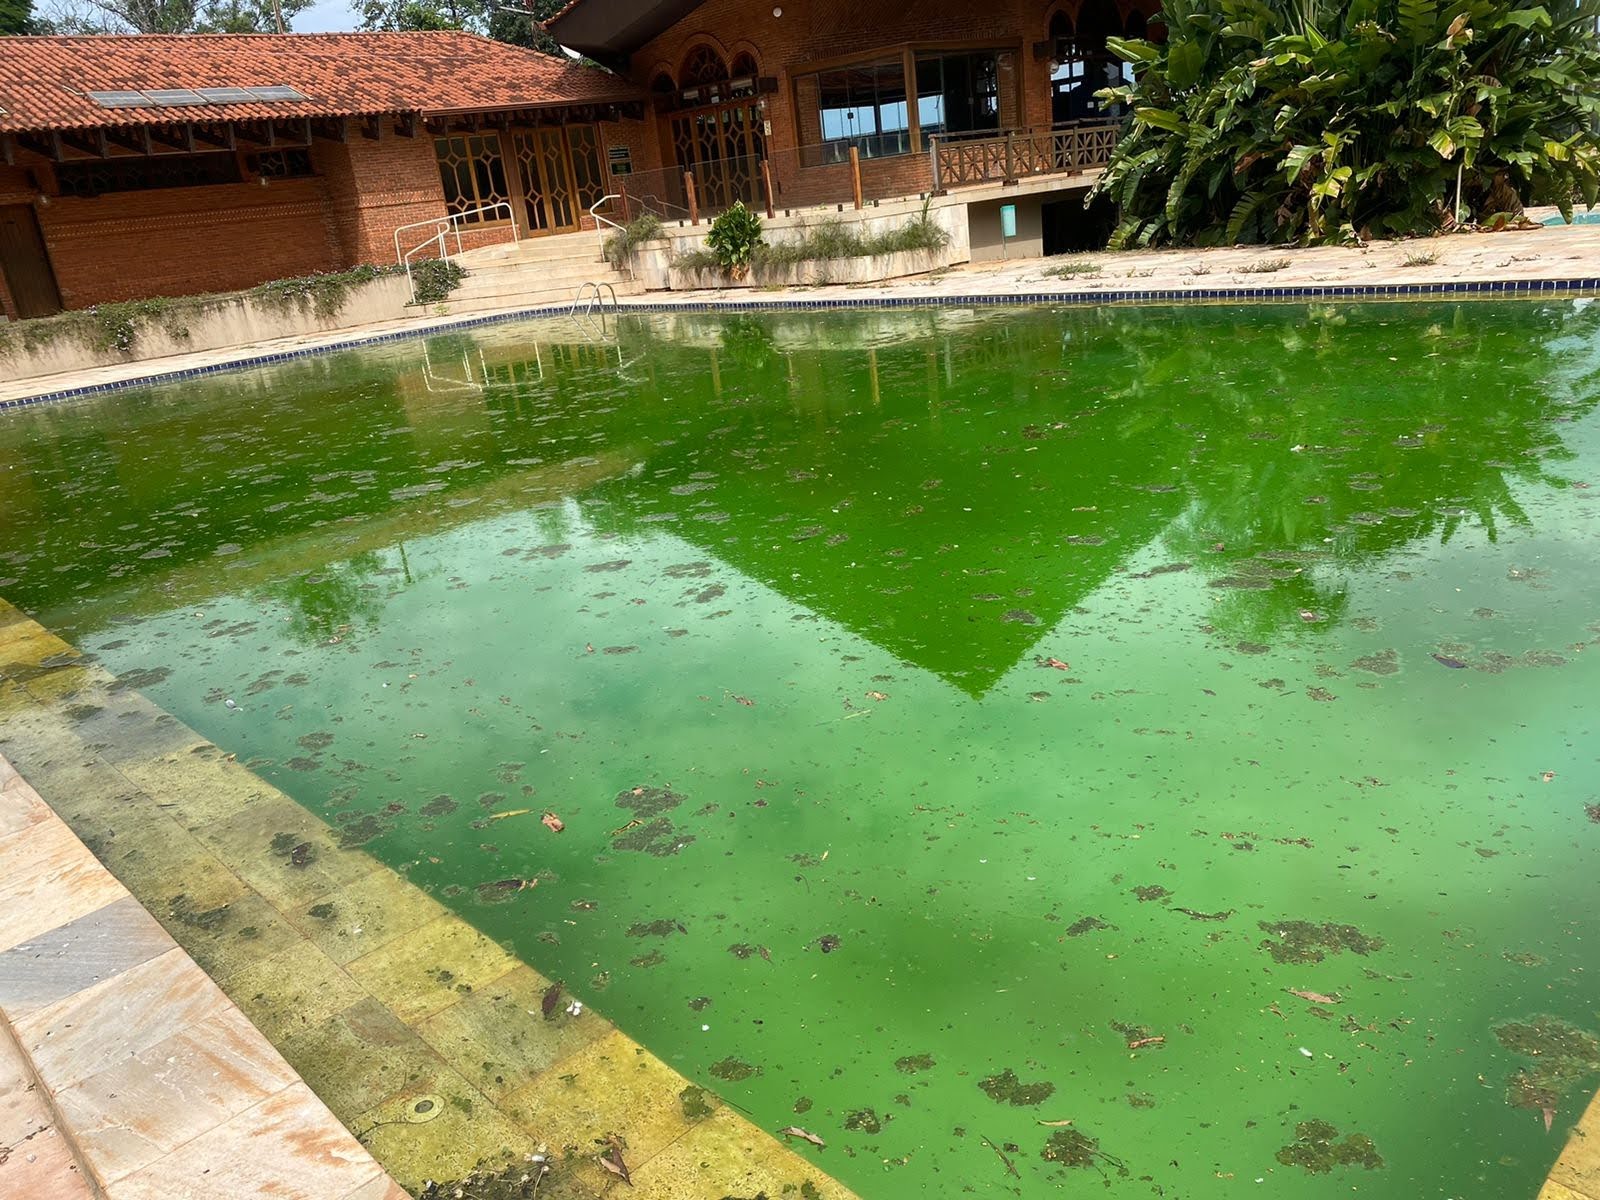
<point>359,1057</point>
<point>612,1087</point>
<point>365,915</point>
<point>292,990</point>
<point>725,1155</point>
<point>199,785</point>
<point>432,968</point>
<point>1560,1191</point>
<point>283,851</point>
<point>439,1128</point>
<point>499,1037</point>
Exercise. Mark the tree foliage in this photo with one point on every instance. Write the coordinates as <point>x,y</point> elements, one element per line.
<point>167,16</point>
<point>516,21</point>
<point>1331,120</point>
<point>16,16</point>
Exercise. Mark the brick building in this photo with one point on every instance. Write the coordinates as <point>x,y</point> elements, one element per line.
<point>930,95</point>
<point>154,165</point>
<point>163,165</point>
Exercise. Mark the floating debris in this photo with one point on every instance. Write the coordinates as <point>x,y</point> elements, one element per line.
<point>1006,1088</point>
<point>863,1120</point>
<point>1205,916</point>
<point>734,1070</point>
<point>1315,1151</point>
<point>913,1064</point>
<point>804,1135</point>
<point>1309,942</point>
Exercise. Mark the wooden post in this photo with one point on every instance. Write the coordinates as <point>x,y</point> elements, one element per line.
<point>1011,166</point>
<point>855,175</point>
<point>627,212</point>
<point>766,180</point>
<point>688,191</point>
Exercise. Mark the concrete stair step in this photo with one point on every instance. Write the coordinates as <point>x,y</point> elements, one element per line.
<point>526,297</point>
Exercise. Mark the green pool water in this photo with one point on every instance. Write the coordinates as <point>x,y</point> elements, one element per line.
<point>937,702</point>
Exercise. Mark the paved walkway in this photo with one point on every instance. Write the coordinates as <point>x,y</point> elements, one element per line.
<point>1545,253</point>
<point>424,1037</point>
<point>125,1073</point>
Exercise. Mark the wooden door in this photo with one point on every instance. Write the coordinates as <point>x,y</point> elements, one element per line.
<point>544,174</point>
<point>25,264</point>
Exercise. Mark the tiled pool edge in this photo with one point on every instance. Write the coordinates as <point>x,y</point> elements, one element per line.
<point>102,955</point>
<point>1460,289</point>
<point>377,1028</point>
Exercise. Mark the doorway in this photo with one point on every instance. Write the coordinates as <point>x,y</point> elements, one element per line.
<point>25,263</point>
<point>558,174</point>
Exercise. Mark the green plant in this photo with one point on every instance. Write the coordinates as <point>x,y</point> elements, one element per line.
<point>646,227</point>
<point>433,279</point>
<point>1420,258</point>
<point>1072,268</point>
<point>325,292</point>
<point>119,326</point>
<point>1263,266</point>
<point>698,259</point>
<point>1333,120</point>
<point>734,236</point>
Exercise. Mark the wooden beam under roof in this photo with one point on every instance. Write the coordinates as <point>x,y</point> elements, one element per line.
<point>372,127</point>
<point>331,129</point>
<point>218,137</point>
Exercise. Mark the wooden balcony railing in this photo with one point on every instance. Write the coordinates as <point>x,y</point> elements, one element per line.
<point>1017,154</point>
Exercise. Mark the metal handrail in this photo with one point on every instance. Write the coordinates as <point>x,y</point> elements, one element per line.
<point>600,223</point>
<point>585,320</point>
<point>443,227</point>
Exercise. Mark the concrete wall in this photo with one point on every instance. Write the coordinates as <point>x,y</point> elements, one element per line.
<point>983,229</point>
<point>213,324</point>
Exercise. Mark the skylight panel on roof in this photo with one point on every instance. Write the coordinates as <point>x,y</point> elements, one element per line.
<point>276,92</point>
<point>121,99</point>
<point>225,95</point>
<point>174,97</point>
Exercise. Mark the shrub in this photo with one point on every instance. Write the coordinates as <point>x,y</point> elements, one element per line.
<point>734,237</point>
<point>433,279</point>
<point>620,245</point>
<point>1282,121</point>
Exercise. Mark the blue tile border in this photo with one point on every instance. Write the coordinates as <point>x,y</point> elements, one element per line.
<point>1336,291</point>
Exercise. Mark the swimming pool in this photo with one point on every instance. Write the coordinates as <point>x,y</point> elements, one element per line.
<point>1149,745</point>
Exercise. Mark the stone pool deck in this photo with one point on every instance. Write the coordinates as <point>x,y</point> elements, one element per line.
<point>422,1036</point>
<point>1525,255</point>
<point>125,1073</point>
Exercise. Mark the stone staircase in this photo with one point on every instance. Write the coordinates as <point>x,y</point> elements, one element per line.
<point>534,273</point>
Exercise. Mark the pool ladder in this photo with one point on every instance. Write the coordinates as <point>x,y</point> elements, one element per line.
<point>589,308</point>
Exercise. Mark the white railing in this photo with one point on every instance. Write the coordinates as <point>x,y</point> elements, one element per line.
<point>443,228</point>
<point>592,299</point>
<point>601,223</point>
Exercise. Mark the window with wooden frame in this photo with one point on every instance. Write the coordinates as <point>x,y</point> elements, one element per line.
<point>887,104</point>
<point>474,176</point>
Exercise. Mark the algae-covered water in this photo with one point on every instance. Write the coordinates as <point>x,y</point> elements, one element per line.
<point>1174,721</point>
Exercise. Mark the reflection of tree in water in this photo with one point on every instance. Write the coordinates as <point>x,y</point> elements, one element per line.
<point>334,599</point>
<point>1290,482</point>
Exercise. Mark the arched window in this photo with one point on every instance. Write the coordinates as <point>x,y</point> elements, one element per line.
<point>743,75</point>
<point>701,66</point>
<point>662,84</point>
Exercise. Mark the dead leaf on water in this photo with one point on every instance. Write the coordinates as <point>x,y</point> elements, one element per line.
<point>1055,1124</point>
<point>796,1131</point>
<point>510,812</point>
<point>1314,997</point>
<point>552,822</point>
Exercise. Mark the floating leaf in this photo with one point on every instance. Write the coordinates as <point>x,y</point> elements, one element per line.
<point>796,1131</point>
<point>552,822</point>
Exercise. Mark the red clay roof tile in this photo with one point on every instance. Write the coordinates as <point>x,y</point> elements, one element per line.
<point>43,79</point>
